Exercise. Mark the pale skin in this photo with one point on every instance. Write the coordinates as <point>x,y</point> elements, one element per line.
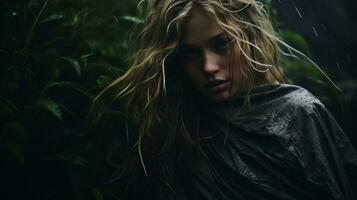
<point>206,59</point>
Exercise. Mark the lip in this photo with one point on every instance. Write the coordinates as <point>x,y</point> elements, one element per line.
<point>217,85</point>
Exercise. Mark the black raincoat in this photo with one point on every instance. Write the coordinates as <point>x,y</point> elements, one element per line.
<point>286,146</point>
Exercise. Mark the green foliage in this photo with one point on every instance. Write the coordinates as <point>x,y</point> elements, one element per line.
<point>55,57</point>
<point>296,40</point>
<point>303,72</point>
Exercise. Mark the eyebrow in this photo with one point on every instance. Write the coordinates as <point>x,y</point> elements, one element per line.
<point>209,40</point>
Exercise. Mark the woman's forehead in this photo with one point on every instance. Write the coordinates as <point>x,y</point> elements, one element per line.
<point>199,28</point>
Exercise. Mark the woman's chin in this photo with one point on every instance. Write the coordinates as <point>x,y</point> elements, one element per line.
<point>220,97</point>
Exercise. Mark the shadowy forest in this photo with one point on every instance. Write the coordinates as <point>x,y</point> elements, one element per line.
<point>56,55</point>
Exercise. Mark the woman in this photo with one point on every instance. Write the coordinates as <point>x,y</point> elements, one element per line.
<point>209,116</point>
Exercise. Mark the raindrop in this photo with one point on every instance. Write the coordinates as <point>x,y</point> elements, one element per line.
<point>324,27</point>
<point>314,29</point>
<point>348,57</point>
<point>339,67</point>
<point>298,12</point>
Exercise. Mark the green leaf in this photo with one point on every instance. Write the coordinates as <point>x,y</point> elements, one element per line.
<point>85,60</point>
<point>57,157</point>
<point>69,84</point>
<point>110,194</point>
<point>16,149</point>
<point>52,107</point>
<point>133,19</point>
<point>17,129</point>
<point>303,68</point>
<point>8,109</point>
<point>51,18</point>
<point>103,81</point>
<point>86,55</point>
<point>74,63</point>
<point>296,39</point>
<point>96,193</point>
<point>83,162</point>
<point>76,160</point>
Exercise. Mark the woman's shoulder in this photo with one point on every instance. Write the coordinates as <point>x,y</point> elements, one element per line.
<point>277,106</point>
<point>298,97</point>
<point>284,97</point>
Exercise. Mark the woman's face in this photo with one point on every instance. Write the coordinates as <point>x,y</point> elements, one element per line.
<point>205,54</point>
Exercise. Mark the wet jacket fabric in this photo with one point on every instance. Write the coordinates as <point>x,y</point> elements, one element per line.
<point>286,146</point>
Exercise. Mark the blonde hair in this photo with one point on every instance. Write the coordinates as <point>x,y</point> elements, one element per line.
<point>155,100</point>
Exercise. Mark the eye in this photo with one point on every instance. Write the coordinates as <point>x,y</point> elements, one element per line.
<point>189,53</point>
<point>221,45</point>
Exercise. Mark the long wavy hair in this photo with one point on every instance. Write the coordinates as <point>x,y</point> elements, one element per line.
<point>162,114</point>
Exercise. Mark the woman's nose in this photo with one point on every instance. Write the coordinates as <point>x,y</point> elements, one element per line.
<point>210,62</point>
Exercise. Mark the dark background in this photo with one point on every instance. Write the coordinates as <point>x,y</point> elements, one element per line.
<point>333,47</point>
<point>56,55</point>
